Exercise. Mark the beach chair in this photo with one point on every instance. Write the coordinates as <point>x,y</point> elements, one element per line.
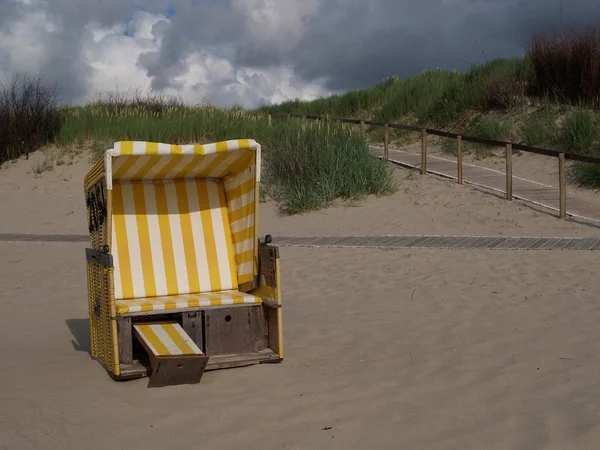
<point>178,280</point>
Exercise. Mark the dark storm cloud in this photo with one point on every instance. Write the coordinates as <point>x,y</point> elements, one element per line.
<point>405,38</point>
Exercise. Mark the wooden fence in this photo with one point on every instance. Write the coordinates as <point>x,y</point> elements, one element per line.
<point>508,146</point>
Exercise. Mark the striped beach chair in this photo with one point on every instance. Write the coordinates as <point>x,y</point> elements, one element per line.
<point>174,240</point>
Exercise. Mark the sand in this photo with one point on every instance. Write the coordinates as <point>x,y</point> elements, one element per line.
<point>419,349</point>
<point>53,202</point>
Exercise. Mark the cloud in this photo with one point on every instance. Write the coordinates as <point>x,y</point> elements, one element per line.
<point>253,52</point>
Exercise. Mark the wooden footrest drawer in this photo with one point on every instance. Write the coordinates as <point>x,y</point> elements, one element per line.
<point>174,357</point>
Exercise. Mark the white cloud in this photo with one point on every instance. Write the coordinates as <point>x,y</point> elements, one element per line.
<point>275,25</point>
<point>111,55</point>
<point>208,75</point>
<point>23,42</point>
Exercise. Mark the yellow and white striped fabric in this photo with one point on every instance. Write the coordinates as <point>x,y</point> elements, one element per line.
<point>160,219</point>
<point>241,207</point>
<point>167,339</point>
<point>171,237</point>
<point>185,301</point>
<point>139,160</point>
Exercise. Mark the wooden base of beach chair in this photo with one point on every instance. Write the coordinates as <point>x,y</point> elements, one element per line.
<point>139,370</point>
<point>174,357</point>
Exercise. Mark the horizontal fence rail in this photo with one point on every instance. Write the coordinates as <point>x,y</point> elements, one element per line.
<point>509,148</point>
<point>447,134</point>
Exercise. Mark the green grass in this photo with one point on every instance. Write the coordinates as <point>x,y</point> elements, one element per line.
<point>585,175</point>
<point>501,83</point>
<point>540,131</point>
<point>579,134</point>
<point>417,95</point>
<point>487,128</point>
<point>435,97</point>
<point>580,131</point>
<point>355,103</point>
<point>307,165</point>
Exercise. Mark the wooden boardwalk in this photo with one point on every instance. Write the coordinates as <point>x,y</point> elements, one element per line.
<point>446,242</point>
<point>526,190</point>
<point>389,242</point>
<point>14,237</point>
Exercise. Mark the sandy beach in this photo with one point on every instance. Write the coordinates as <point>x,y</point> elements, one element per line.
<point>416,349</point>
<point>53,202</point>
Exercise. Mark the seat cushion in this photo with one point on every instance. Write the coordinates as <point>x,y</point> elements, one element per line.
<point>175,302</point>
<point>171,237</point>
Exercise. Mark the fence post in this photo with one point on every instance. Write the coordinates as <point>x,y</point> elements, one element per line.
<point>562,181</point>
<point>270,120</point>
<point>289,116</point>
<point>386,141</point>
<point>362,127</point>
<point>509,186</point>
<point>459,159</point>
<point>423,151</point>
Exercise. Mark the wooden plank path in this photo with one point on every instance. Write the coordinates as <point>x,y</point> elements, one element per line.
<point>446,242</point>
<point>390,242</point>
<point>14,237</point>
<point>526,190</point>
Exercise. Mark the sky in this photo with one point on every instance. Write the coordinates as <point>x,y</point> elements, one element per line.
<point>256,52</point>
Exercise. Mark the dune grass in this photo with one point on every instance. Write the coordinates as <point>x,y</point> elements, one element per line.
<point>355,103</point>
<point>540,130</point>
<point>580,131</point>
<point>562,68</point>
<point>585,175</point>
<point>435,97</point>
<point>487,128</point>
<point>307,165</point>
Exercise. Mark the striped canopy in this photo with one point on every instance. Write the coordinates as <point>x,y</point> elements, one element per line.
<point>136,160</point>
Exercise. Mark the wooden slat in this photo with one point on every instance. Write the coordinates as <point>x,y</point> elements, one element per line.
<point>234,330</point>
<point>440,241</point>
<point>423,151</point>
<point>496,242</point>
<point>459,160</point>
<point>580,244</point>
<point>386,140</point>
<point>477,243</point>
<point>125,340</point>
<point>562,188</point>
<point>240,360</point>
<point>191,322</point>
<point>539,243</point>
<point>527,243</point>
<point>20,237</point>
<point>562,243</point>
<point>509,176</point>
<point>549,244</point>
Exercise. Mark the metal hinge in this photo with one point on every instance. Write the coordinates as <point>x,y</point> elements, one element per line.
<point>99,257</point>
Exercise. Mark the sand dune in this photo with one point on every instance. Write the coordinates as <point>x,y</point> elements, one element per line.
<point>53,203</point>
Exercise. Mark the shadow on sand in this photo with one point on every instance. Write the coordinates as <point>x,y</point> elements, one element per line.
<point>80,331</point>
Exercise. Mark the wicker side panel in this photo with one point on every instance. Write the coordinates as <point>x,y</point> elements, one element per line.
<point>101,316</point>
<point>103,333</point>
